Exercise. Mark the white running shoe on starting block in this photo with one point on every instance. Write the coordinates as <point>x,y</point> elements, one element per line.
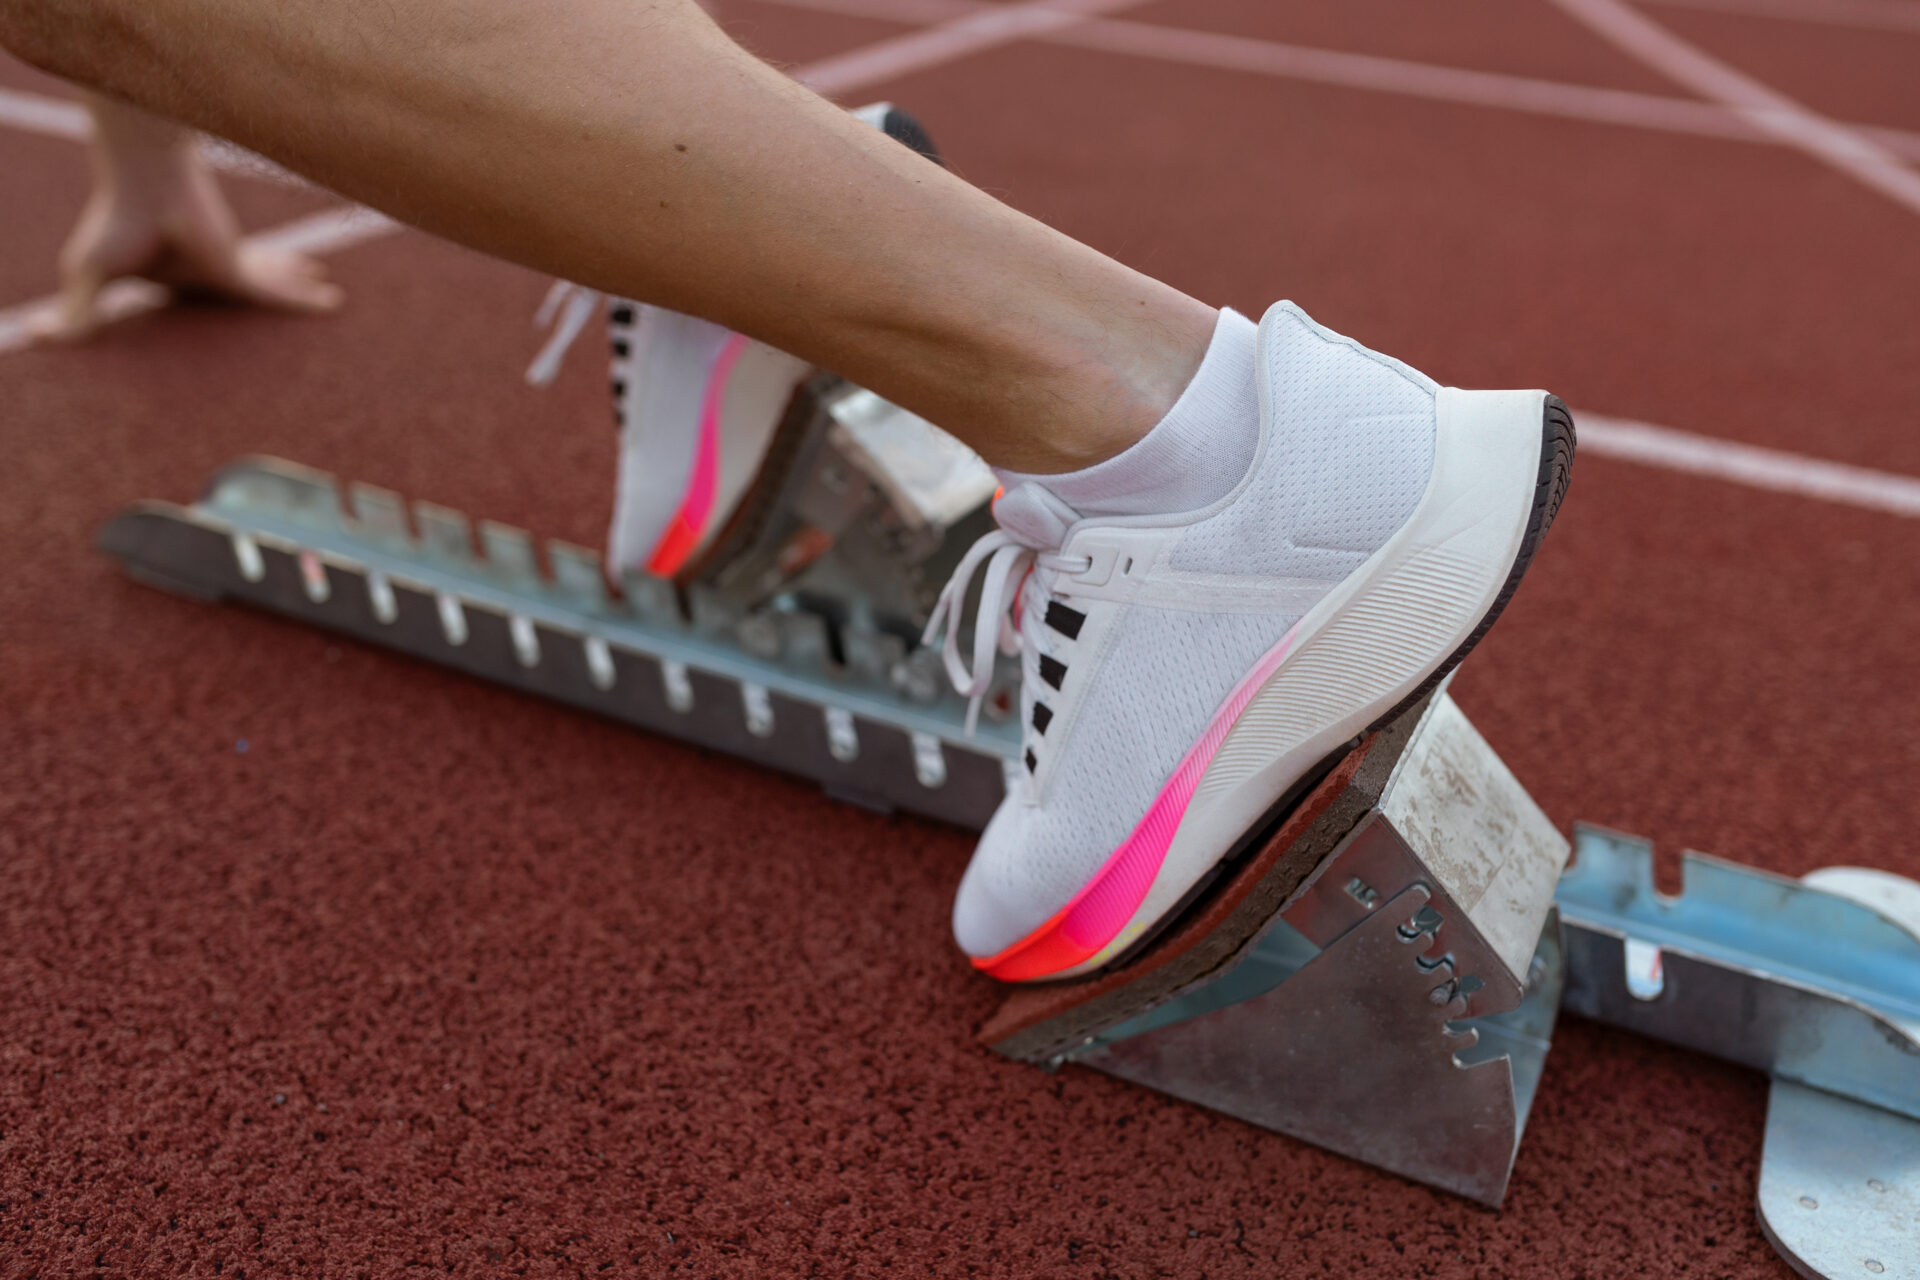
<point>1186,677</point>
<point>699,406</point>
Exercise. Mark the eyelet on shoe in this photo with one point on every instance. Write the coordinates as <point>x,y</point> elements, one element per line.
<point>1099,567</point>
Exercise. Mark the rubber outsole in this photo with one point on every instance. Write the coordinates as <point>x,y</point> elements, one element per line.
<point>1256,835</point>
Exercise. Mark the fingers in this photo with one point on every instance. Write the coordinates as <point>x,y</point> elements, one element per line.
<point>75,312</point>
<point>287,281</point>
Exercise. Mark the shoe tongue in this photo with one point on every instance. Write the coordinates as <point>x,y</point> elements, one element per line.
<point>1034,517</point>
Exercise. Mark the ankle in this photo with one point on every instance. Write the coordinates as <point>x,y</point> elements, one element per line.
<point>1193,453</point>
<point>1109,397</point>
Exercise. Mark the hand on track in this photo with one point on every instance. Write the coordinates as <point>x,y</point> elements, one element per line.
<point>162,218</point>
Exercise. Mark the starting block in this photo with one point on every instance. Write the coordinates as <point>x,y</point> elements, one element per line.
<point>1380,974</point>
<point>1380,978</point>
<point>842,700</point>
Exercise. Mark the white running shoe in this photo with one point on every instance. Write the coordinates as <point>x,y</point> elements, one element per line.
<point>1186,677</point>
<point>699,408</point>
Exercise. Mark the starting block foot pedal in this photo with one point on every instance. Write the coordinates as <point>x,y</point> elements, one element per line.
<point>1380,978</point>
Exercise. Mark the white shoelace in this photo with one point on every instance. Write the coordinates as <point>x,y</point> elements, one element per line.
<point>567,307</point>
<point>1007,562</point>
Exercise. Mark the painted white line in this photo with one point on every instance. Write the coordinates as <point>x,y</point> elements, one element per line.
<point>1767,109</point>
<point>1749,465</point>
<point>1252,56</point>
<point>37,113</point>
<point>978,28</point>
<point>328,231</point>
<point>1872,15</point>
<point>120,300</point>
<point>1415,79</point>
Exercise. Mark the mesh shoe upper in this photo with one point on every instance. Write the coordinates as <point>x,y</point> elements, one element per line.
<point>1112,701</point>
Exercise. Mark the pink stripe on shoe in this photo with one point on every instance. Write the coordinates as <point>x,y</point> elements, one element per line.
<point>1105,904</point>
<point>683,533</point>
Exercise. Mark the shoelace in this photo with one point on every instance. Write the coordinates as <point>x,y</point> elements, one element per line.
<point>1007,562</point>
<point>567,307</point>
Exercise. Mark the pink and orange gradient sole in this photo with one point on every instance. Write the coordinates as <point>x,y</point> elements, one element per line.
<point>1088,924</point>
<point>689,523</point>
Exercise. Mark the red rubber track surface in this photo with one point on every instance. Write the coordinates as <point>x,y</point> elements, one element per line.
<point>431,977</point>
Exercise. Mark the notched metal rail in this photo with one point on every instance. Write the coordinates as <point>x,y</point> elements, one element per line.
<point>1747,966</point>
<point>1800,979</point>
<point>853,709</point>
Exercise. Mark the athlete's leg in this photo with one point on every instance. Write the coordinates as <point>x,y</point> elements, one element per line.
<point>630,145</point>
<point>157,212</point>
<point>1274,547</point>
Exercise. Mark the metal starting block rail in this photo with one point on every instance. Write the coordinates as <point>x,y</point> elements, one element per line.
<point>849,706</point>
<point>1817,983</point>
<point>1380,975</point>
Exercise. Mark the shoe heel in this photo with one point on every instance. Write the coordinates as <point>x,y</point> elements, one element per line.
<point>1557,442</point>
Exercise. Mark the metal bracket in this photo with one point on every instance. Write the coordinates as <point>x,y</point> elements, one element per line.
<point>1816,982</point>
<point>1399,1007</point>
<point>1755,968</point>
<point>849,706</point>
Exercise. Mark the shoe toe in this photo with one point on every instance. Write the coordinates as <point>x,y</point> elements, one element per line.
<point>999,901</point>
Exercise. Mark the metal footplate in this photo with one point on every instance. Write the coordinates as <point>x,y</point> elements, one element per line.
<point>1381,978</point>
<point>847,705</point>
<point>1816,982</point>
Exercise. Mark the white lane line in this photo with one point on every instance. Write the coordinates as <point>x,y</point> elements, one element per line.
<point>1749,465</point>
<point>1253,56</point>
<point>37,113</point>
<point>119,300</point>
<point>328,231</point>
<point>1872,15</point>
<point>1415,79</point>
<point>1766,108</point>
<point>975,29</point>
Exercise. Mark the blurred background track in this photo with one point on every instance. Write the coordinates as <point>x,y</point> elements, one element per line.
<point>314,959</point>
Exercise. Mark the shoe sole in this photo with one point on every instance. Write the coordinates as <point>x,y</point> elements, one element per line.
<point>1348,667</point>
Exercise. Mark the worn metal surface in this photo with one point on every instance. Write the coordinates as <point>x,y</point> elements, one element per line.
<point>876,728</point>
<point>1478,832</point>
<point>1345,1022</point>
<point>1359,1048</point>
<point>861,510</point>
<point>1840,1186</point>
<point>1803,984</point>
